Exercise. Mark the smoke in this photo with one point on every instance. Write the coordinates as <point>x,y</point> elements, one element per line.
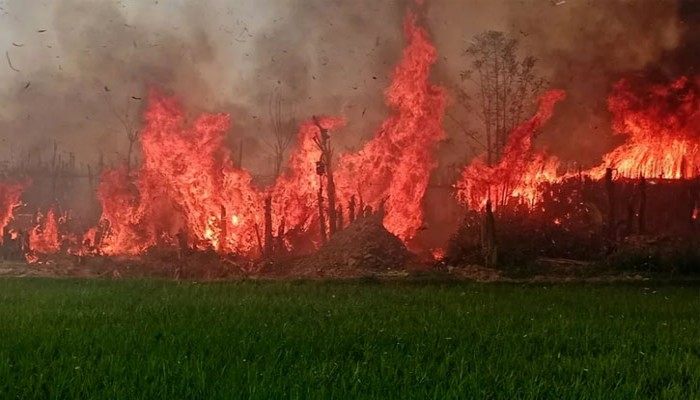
<point>84,65</point>
<point>586,46</point>
<point>582,46</point>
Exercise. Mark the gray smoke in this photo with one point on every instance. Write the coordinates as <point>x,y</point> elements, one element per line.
<point>82,63</point>
<point>583,47</point>
<point>95,59</point>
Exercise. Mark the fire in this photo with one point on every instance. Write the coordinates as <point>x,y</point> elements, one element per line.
<point>9,199</point>
<point>188,182</point>
<point>294,194</point>
<point>520,171</point>
<point>395,166</point>
<point>44,238</point>
<point>661,124</point>
<point>662,127</point>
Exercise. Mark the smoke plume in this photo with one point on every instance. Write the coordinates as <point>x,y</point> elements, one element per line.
<point>79,66</point>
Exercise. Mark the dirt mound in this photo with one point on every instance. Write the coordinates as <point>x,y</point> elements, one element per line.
<point>364,247</point>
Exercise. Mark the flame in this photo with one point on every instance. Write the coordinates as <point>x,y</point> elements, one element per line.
<point>396,164</point>
<point>44,238</point>
<point>294,194</point>
<point>187,180</point>
<point>10,192</point>
<point>661,124</point>
<point>519,172</point>
<point>662,127</point>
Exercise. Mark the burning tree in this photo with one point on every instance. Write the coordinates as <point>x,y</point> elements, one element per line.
<point>283,134</point>
<point>505,86</point>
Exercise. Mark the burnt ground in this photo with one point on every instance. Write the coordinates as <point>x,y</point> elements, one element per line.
<point>226,270</point>
<point>363,250</point>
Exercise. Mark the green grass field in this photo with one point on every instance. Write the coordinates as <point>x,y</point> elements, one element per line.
<point>93,339</point>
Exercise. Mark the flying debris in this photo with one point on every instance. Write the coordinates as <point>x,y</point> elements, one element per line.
<point>41,30</point>
<point>558,2</point>
<point>17,44</point>
<point>135,98</point>
<point>9,62</point>
<point>27,85</point>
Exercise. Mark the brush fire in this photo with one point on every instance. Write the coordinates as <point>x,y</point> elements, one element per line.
<point>186,198</point>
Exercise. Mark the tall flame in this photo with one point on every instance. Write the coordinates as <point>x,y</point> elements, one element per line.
<point>520,171</point>
<point>395,166</point>
<point>10,193</point>
<point>186,181</point>
<point>44,237</point>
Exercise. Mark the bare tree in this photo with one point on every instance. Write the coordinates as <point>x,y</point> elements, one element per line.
<point>128,123</point>
<point>324,167</point>
<point>505,86</point>
<point>283,128</point>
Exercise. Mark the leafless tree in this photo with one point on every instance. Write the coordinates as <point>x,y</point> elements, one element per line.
<point>129,123</point>
<point>283,128</point>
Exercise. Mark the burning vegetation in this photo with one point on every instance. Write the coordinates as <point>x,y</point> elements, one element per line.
<point>190,195</point>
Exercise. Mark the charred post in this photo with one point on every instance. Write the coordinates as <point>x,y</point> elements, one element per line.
<point>488,237</point>
<point>321,214</point>
<point>339,219</point>
<point>222,230</point>
<point>612,205</point>
<point>268,227</point>
<point>641,215</point>
<point>351,209</point>
<point>322,141</point>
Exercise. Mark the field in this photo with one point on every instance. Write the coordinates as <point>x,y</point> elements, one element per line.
<point>132,339</point>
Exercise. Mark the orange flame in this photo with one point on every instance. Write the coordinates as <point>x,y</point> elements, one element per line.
<point>44,237</point>
<point>662,126</point>
<point>519,172</point>
<point>396,164</point>
<point>187,180</point>
<point>9,199</point>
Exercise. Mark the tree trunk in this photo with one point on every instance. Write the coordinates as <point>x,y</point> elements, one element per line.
<point>339,219</point>
<point>332,220</point>
<point>641,217</point>
<point>268,227</point>
<point>612,204</point>
<point>222,230</point>
<point>351,209</point>
<point>322,215</point>
<point>488,237</point>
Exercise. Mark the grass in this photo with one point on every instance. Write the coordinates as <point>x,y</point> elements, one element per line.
<point>94,339</point>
